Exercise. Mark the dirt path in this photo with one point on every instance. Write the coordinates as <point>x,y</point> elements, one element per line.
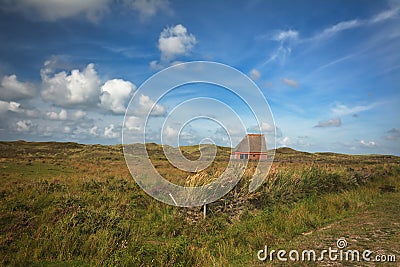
<point>376,229</point>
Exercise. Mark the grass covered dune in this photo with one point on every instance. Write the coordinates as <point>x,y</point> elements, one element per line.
<point>68,204</point>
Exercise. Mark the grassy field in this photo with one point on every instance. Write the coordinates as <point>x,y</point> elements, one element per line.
<point>67,204</point>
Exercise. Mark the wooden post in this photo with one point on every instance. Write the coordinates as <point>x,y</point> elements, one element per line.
<point>204,209</point>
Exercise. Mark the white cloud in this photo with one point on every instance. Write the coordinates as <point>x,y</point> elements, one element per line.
<point>72,89</point>
<point>267,127</point>
<point>170,132</point>
<point>289,37</point>
<point>63,115</point>
<point>175,41</point>
<point>351,24</point>
<point>330,123</point>
<point>109,132</point>
<point>16,108</point>
<point>341,110</point>
<point>368,144</point>
<point>79,114</point>
<point>149,8</point>
<point>286,40</point>
<point>339,27</point>
<point>24,125</point>
<point>146,105</point>
<point>264,127</point>
<point>32,113</point>
<point>114,94</point>
<point>52,10</point>
<point>286,35</point>
<point>255,74</point>
<point>290,82</point>
<point>93,131</point>
<point>155,65</point>
<point>134,123</point>
<point>285,141</point>
<point>9,106</point>
<point>67,129</point>
<point>12,89</point>
<point>385,15</point>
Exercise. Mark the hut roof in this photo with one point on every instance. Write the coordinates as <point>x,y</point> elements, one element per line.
<point>252,143</point>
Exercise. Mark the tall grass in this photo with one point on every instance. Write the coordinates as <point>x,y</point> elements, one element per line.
<point>102,217</point>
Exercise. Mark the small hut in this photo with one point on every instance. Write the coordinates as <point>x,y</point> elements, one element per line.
<point>252,147</point>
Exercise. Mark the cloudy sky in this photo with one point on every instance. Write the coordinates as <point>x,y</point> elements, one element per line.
<point>330,70</point>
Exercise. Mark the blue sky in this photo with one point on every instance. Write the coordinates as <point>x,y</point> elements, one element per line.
<point>330,70</point>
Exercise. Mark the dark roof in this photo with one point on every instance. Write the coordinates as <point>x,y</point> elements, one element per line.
<point>252,143</point>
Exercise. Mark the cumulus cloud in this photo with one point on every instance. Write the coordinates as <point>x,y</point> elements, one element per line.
<point>368,144</point>
<point>330,123</point>
<point>149,8</point>
<point>51,10</point>
<point>175,41</point>
<point>9,106</point>
<point>24,125</point>
<point>290,82</point>
<point>155,65</point>
<point>392,135</point>
<point>255,74</point>
<point>134,123</point>
<point>83,88</point>
<point>109,132</point>
<point>114,95</point>
<point>63,89</point>
<point>62,115</point>
<point>12,89</point>
<point>170,132</point>
<point>80,132</point>
<point>93,131</point>
<point>147,106</point>
<point>341,110</point>
<point>16,107</point>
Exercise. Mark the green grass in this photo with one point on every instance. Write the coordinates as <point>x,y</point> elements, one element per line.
<point>33,169</point>
<point>87,211</point>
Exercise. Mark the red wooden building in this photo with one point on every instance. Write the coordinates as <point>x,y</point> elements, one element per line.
<point>252,147</point>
